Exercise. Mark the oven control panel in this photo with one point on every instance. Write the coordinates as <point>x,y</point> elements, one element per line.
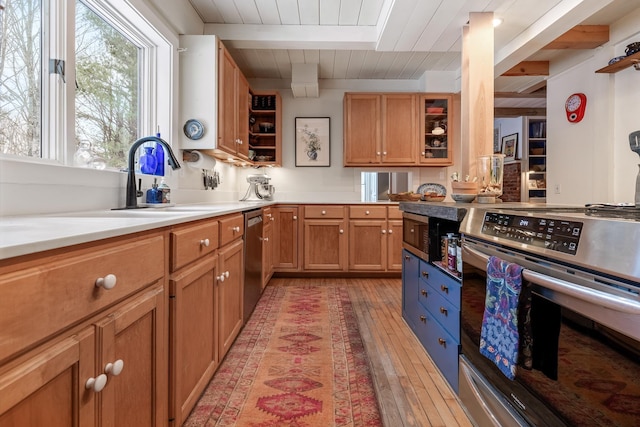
<point>548,233</point>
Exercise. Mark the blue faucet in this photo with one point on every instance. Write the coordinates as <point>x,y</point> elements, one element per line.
<point>132,200</point>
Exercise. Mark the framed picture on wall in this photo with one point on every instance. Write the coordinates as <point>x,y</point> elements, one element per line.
<point>313,145</point>
<point>510,147</point>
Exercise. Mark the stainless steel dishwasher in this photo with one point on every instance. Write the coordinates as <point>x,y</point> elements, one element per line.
<point>252,260</point>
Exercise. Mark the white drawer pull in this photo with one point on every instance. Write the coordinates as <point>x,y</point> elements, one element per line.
<point>107,282</point>
<point>341,231</point>
<point>324,212</point>
<point>384,231</point>
<point>114,368</point>
<point>204,242</point>
<point>236,229</point>
<point>366,212</point>
<point>226,274</point>
<point>96,384</point>
<point>220,278</point>
<point>390,231</point>
<point>295,217</point>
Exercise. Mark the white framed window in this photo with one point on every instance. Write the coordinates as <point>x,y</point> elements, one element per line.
<point>80,73</point>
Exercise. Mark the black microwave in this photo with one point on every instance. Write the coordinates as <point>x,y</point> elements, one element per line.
<point>421,235</point>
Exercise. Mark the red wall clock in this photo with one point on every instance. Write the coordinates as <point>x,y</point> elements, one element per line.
<point>575,106</point>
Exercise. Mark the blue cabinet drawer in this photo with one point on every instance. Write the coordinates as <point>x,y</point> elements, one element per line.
<point>441,346</point>
<point>441,282</point>
<point>442,310</point>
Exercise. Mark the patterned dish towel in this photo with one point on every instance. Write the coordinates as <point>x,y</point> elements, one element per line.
<point>499,338</point>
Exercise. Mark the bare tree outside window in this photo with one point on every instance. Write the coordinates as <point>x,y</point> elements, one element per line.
<point>20,77</point>
<point>107,87</point>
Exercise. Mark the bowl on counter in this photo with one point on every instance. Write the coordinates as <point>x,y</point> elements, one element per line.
<point>432,197</point>
<point>463,198</point>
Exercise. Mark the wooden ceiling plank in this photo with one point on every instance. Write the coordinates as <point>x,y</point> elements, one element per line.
<point>268,11</point>
<point>370,12</point>
<point>229,11</point>
<point>419,20</point>
<point>356,59</point>
<point>283,62</point>
<point>309,12</point>
<point>581,37</point>
<point>349,12</point>
<point>249,13</point>
<point>325,67</point>
<point>529,68</point>
<point>341,64</point>
<point>329,12</point>
<point>398,16</point>
<point>288,10</point>
<point>207,10</point>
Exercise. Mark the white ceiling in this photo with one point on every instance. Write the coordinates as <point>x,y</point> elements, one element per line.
<point>392,39</point>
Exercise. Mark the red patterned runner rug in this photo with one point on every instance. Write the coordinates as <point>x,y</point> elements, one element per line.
<point>298,362</point>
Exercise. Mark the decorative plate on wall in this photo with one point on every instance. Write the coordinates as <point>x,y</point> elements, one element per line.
<point>193,129</point>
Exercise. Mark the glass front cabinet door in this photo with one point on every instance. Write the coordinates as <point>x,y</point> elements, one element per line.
<point>436,144</point>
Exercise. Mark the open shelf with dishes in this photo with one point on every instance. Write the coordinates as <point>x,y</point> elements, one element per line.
<point>264,128</point>
<point>436,140</point>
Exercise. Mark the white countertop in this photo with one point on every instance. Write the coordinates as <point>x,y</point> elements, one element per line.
<point>21,235</point>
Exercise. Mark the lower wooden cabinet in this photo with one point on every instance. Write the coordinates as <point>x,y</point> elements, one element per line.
<point>325,238</point>
<point>230,286</point>
<point>111,373</point>
<point>194,334</point>
<point>375,242</point>
<point>267,245</point>
<point>285,248</point>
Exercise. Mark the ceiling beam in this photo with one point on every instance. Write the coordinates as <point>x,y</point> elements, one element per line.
<point>581,37</point>
<point>518,95</point>
<point>250,36</point>
<point>553,24</point>
<point>529,68</point>
<point>517,112</point>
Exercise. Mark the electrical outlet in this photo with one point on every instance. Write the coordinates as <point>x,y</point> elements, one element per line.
<point>557,188</point>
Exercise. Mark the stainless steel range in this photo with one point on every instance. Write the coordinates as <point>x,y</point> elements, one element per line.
<point>583,265</point>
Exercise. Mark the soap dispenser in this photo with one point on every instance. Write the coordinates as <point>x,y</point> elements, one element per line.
<point>165,191</point>
<point>153,194</point>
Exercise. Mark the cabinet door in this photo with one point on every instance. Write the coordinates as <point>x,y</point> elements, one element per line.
<point>193,334</point>
<point>367,245</point>
<point>436,129</point>
<point>285,249</point>
<point>242,116</point>
<point>132,353</point>
<point>410,288</point>
<point>394,245</point>
<point>230,295</point>
<point>325,244</point>
<point>362,136</point>
<point>48,389</point>
<point>227,101</point>
<point>399,128</point>
<point>267,251</point>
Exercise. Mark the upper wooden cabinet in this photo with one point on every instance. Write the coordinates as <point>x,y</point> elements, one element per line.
<point>380,129</point>
<point>436,129</point>
<point>265,125</point>
<point>233,103</point>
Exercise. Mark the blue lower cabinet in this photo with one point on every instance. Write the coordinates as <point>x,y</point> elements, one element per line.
<point>432,308</point>
<point>410,287</point>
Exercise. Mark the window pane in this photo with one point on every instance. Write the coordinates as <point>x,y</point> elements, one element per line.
<point>107,65</point>
<point>20,77</point>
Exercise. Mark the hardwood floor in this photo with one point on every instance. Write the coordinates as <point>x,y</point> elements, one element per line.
<point>411,391</point>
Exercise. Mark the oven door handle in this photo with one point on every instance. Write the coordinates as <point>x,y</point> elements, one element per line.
<point>592,296</point>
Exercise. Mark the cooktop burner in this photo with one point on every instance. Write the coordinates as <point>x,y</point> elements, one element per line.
<point>605,210</point>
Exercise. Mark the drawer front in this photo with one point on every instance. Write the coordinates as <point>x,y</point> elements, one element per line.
<point>323,211</point>
<point>441,309</point>
<point>394,212</point>
<point>191,242</point>
<point>444,351</point>
<point>40,301</point>
<point>368,212</point>
<point>231,228</point>
<point>442,283</point>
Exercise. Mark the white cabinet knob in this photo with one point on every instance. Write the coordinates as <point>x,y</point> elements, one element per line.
<point>295,217</point>
<point>220,278</point>
<point>384,231</point>
<point>114,368</point>
<point>273,219</point>
<point>411,230</point>
<point>422,153</point>
<point>377,153</point>
<point>323,212</point>
<point>390,231</point>
<point>236,229</point>
<point>96,384</point>
<point>366,212</point>
<point>107,282</point>
<point>384,153</point>
<point>341,231</point>
<point>204,242</point>
<point>239,142</point>
<point>226,274</point>
<point>266,239</point>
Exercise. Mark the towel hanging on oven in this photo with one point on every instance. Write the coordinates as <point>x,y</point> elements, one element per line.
<point>499,337</point>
